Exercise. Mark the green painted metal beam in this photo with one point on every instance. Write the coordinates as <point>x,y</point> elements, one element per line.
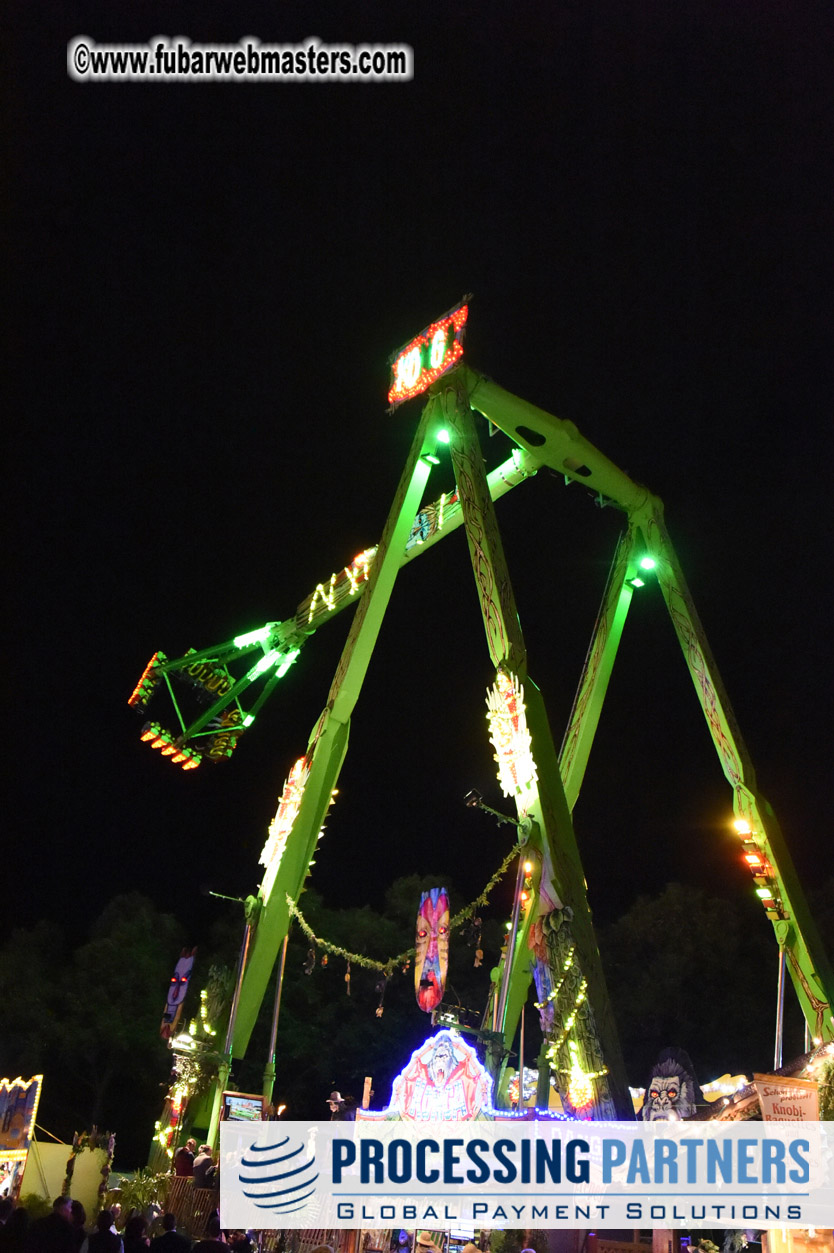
<point>778,886</point>
<point>596,673</point>
<point>329,739</point>
<point>561,446</point>
<point>562,879</point>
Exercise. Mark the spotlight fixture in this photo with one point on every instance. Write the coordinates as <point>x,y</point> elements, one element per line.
<point>474,800</point>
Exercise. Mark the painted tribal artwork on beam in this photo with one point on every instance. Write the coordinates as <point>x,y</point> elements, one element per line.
<point>431,962</point>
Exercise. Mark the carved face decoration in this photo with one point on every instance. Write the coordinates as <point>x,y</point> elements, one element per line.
<point>670,1094</point>
<point>663,1098</point>
<point>432,944</point>
<point>177,989</point>
<point>441,1063</point>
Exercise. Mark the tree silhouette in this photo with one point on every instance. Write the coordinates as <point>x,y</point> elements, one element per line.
<point>699,973</point>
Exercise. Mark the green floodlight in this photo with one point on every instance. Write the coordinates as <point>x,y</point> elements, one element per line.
<point>266,662</point>
<point>260,636</point>
<point>443,437</point>
<point>287,662</point>
<point>637,581</point>
<point>648,563</point>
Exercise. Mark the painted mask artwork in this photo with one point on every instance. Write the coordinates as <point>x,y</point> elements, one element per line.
<point>443,1080</point>
<point>432,943</point>
<point>671,1092</point>
<point>177,989</point>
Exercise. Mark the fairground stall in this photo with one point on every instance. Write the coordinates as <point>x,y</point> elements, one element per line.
<point>18,1110</point>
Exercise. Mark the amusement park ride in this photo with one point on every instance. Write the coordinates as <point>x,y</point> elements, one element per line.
<point>551,938</point>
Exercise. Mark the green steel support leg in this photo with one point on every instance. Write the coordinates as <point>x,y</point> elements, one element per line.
<point>807,961</point>
<point>558,444</point>
<point>593,685</point>
<point>561,880</point>
<point>328,742</point>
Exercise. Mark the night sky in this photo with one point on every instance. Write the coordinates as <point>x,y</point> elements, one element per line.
<point>207,281</point>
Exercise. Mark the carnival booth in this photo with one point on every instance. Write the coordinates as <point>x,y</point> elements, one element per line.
<point>18,1108</point>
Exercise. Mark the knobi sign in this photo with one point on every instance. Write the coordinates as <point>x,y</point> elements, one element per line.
<point>505,1174</point>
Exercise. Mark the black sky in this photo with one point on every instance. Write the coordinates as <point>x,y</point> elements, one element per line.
<point>207,283</point>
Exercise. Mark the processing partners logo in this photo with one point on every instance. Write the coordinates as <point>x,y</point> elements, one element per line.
<point>280,1178</point>
<point>440,1174</point>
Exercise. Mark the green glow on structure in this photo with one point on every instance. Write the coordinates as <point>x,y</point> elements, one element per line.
<point>269,659</point>
<point>647,563</point>
<point>253,637</point>
<point>287,662</point>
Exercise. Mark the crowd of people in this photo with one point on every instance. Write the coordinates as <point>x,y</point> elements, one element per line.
<point>65,1230</point>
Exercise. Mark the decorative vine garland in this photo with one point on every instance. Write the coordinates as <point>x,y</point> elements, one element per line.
<point>94,1139</point>
<point>387,967</point>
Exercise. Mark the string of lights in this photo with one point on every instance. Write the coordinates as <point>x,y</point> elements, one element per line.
<point>573,1051</point>
<point>190,1074</point>
<point>554,992</point>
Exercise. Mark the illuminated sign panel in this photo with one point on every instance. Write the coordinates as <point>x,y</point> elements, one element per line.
<point>18,1109</point>
<point>443,1081</point>
<point>434,351</point>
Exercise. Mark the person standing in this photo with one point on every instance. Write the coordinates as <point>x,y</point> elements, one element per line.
<point>170,1241</point>
<point>184,1159</point>
<point>213,1242</point>
<point>78,1218</point>
<point>13,1233</point>
<point>202,1165</point>
<point>342,1108</point>
<point>105,1238</point>
<point>53,1234</point>
<point>135,1235</point>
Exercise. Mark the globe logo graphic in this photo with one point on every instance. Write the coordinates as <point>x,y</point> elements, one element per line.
<point>278,1177</point>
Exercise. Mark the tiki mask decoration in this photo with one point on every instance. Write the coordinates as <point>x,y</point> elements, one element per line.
<point>177,989</point>
<point>431,961</point>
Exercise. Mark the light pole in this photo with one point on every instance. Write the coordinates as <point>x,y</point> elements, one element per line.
<point>269,1072</point>
<point>252,907</point>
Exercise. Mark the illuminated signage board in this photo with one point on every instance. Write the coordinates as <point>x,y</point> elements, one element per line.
<point>18,1109</point>
<point>443,1081</point>
<point>431,353</point>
